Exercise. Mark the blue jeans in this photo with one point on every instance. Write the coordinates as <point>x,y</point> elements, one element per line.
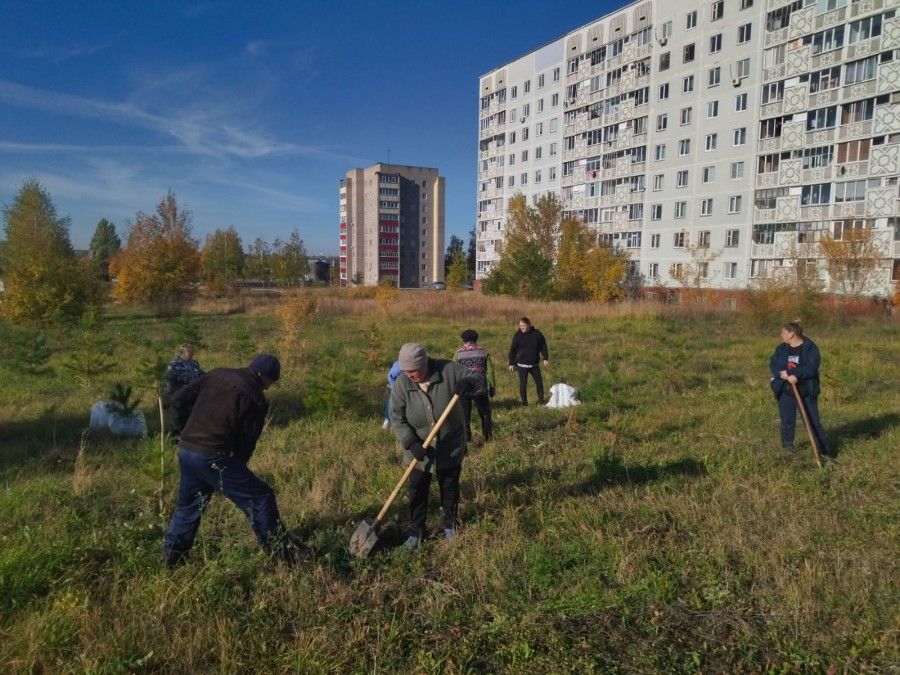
<point>200,477</point>
<point>787,411</point>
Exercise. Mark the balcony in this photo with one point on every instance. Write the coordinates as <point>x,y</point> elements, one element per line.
<point>860,89</point>
<point>855,130</point>
<point>865,7</point>
<point>776,36</point>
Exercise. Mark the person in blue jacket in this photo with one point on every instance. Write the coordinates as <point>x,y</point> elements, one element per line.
<point>392,376</point>
<point>796,361</point>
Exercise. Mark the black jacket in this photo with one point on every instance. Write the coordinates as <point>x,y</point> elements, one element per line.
<point>807,373</point>
<point>528,348</point>
<point>225,412</point>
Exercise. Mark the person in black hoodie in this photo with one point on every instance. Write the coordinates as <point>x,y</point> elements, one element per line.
<point>525,352</point>
<point>224,413</point>
<point>796,361</point>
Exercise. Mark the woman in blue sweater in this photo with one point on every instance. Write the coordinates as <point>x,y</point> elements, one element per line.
<point>796,361</point>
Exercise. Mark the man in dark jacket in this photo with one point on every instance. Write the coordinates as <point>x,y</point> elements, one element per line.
<point>183,370</point>
<point>528,346</point>
<point>796,361</point>
<point>418,399</point>
<point>224,413</point>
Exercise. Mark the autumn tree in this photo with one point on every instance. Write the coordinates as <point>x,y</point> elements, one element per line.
<point>604,270</point>
<point>258,262</point>
<point>455,246</point>
<point>694,274</point>
<point>160,263</point>
<point>457,274</point>
<point>289,262</point>
<point>853,261</point>
<point>222,261</point>
<point>44,281</point>
<point>105,244</point>
<point>569,272</point>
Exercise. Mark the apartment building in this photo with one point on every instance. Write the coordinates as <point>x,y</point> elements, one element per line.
<point>392,226</point>
<point>726,137</point>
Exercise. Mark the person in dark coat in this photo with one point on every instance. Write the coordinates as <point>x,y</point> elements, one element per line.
<point>796,361</point>
<point>224,413</point>
<point>525,352</point>
<point>476,360</point>
<point>418,398</point>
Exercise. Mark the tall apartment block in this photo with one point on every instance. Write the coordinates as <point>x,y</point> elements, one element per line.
<point>732,132</point>
<point>392,226</point>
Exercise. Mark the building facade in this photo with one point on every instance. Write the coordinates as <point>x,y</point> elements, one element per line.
<point>719,139</point>
<point>392,226</point>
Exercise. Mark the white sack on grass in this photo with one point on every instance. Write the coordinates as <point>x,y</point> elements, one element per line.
<point>563,396</point>
<point>100,415</point>
<point>128,426</point>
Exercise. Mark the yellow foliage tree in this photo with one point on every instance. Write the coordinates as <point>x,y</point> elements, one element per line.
<point>568,274</point>
<point>604,270</point>
<point>853,261</point>
<point>222,260</point>
<point>160,264</point>
<point>457,271</point>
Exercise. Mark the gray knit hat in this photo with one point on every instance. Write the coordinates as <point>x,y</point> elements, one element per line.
<point>412,356</point>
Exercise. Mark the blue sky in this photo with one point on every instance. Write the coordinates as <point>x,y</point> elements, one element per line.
<point>250,112</point>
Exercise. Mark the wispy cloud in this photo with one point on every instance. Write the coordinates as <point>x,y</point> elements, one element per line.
<point>256,48</point>
<point>58,54</point>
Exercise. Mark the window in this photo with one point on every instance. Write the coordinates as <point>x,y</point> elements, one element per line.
<point>511,182</point>
<point>554,100</point>
<point>663,91</point>
<point>703,239</point>
<point>715,43</point>
<point>525,133</point>
<point>526,110</point>
<point>524,155</point>
<point>538,152</point>
<point>816,158</point>
<point>514,92</point>
<point>772,92</point>
<point>853,191</point>
<point>540,81</point>
<point>540,105</point>
<point>660,152</point>
<point>712,140</point>
<point>681,179</point>
<point>656,212</point>
<point>746,4</point>
<point>709,174</point>
<point>679,237</point>
<point>865,28</point>
<point>635,211</point>
<point>687,84</point>
<point>858,111</point>
<point>860,71</point>
<point>537,176</point>
<point>734,204</point>
<point>552,173</point>
<point>680,211</point>
<point>686,114</point>
<point>731,270</point>
<point>718,10</point>
<point>714,77</point>
<point>744,33</point>
<point>556,74</point>
<point>854,151</point>
<point>512,158</point>
<point>662,121</point>
<point>527,86</point>
<point>740,102</point>
<point>812,195</point>
<point>691,20</point>
<point>688,53</point>
<point>737,170</point>
<point>706,207</point>
<point>732,237</point>
<point>653,270</point>
<point>684,146</point>
<point>829,78</point>
<point>740,136</point>
<point>553,125</point>
<point>658,182</point>
<point>743,68</point>
<point>554,149</point>
<point>712,109</point>
<point>828,40</point>
<point>654,240</point>
<point>823,118</point>
<point>523,179</point>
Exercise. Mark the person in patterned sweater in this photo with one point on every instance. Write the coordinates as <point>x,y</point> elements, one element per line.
<point>476,360</point>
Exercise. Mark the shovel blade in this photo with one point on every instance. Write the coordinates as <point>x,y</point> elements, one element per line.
<point>364,538</point>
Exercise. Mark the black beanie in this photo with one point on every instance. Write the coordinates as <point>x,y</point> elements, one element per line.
<point>469,336</point>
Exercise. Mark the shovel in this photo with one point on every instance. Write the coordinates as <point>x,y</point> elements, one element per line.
<point>809,431</point>
<point>366,535</point>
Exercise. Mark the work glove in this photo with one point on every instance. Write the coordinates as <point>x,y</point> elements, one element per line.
<point>464,387</point>
<point>417,450</point>
<point>491,392</point>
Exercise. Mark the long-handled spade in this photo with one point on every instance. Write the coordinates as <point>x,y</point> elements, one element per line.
<point>809,430</point>
<point>366,535</point>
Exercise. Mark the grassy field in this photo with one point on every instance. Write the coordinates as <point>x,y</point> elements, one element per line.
<point>659,527</point>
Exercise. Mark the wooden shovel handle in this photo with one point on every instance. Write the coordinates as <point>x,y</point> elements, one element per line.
<point>412,464</point>
<point>809,431</point>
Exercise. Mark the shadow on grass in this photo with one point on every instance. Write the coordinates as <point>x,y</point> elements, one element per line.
<point>611,471</point>
<point>49,434</point>
<point>869,428</point>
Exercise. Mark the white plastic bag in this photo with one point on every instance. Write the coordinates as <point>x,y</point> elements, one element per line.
<point>563,396</point>
<point>128,426</point>
<point>100,415</point>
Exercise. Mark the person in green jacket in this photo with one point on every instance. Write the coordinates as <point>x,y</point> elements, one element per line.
<point>476,360</point>
<point>418,399</point>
